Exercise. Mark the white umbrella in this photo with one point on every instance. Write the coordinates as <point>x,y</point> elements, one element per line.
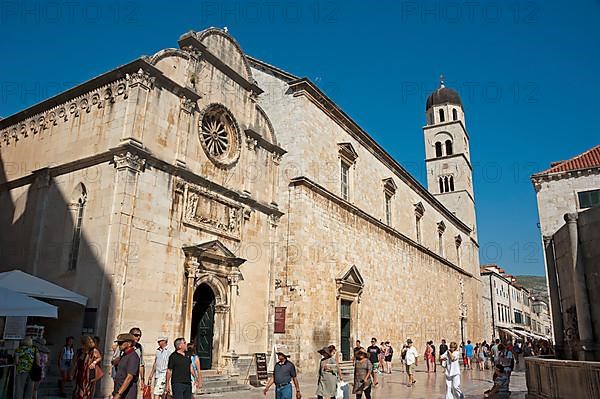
<point>16,304</point>
<point>19,281</point>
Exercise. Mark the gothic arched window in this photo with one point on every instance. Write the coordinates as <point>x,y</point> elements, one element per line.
<point>442,118</point>
<point>446,185</point>
<point>77,206</point>
<point>451,183</point>
<point>438,149</point>
<point>448,147</point>
<point>441,181</point>
<point>454,114</point>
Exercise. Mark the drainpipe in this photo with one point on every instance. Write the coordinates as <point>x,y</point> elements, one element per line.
<point>555,305</point>
<point>584,321</point>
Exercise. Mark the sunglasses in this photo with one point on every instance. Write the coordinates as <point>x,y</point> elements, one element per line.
<point>137,335</point>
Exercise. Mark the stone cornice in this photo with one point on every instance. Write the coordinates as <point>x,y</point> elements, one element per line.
<point>304,87</point>
<point>445,157</point>
<point>108,87</point>
<point>442,124</point>
<point>454,192</point>
<point>262,142</point>
<point>539,178</point>
<point>311,185</point>
<point>190,41</point>
<point>151,161</point>
<point>270,69</point>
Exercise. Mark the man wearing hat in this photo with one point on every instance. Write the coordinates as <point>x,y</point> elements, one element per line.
<point>159,369</point>
<point>412,357</point>
<point>128,369</point>
<point>283,375</point>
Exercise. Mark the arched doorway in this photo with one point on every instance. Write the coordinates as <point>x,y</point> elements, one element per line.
<point>203,322</point>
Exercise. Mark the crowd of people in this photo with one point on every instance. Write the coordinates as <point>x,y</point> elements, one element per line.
<point>175,371</point>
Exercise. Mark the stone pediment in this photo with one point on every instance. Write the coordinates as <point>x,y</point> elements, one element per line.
<point>347,152</point>
<point>389,186</point>
<point>213,253</point>
<point>419,209</point>
<point>351,282</point>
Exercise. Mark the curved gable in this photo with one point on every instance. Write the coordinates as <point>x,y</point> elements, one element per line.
<point>173,63</point>
<point>224,47</point>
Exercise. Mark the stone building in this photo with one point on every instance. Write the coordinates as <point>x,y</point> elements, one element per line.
<point>203,193</point>
<point>509,310</point>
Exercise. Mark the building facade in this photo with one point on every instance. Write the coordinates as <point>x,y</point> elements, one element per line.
<point>203,193</point>
<point>510,312</point>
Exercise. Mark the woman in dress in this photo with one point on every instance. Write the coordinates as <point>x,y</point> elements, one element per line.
<point>195,360</point>
<point>429,360</point>
<point>363,369</point>
<point>86,359</point>
<point>44,352</point>
<point>328,374</point>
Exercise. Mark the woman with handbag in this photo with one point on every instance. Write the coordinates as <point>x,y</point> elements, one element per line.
<point>87,369</point>
<point>328,376</point>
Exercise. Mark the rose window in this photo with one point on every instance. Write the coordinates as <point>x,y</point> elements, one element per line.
<point>219,135</point>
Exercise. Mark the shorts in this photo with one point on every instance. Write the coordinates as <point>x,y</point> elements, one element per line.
<point>65,365</point>
<point>409,368</point>
<point>388,358</point>
<point>376,366</point>
<point>160,381</point>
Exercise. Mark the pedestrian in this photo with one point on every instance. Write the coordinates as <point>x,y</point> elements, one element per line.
<point>44,355</point>
<point>500,390</point>
<point>411,362</point>
<point>26,356</point>
<point>283,374</point>
<point>480,356</point>
<point>374,352</point>
<point>433,354</point>
<point>469,354</point>
<point>137,334</point>
<point>65,358</point>
<point>328,375</point>
<point>388,357</point>
<point>128,369</point>
<point>427,357</point>
<point>158,375</point>
<point>494,351</point>
<point>505,359</point>
<point>381,358</point>
<point>403,358</point>
<point>178,381</point>
<point>85,361</point>
<point>363,374</point>
<point>196,370</point>
<point>443,349</point>
<point>451,363</point>
<point>357,347</point>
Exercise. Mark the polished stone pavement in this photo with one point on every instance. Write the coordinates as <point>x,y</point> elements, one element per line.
<point>392,386</point>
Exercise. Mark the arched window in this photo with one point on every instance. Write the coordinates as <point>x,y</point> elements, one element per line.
<point>442,118</point>
<point>446,186</point>
<point>441,181</point>
<point>438,149</point>
<point>77,206</point>
<point>451,183</point>
<point>448,147</point>
<point>454,114</point>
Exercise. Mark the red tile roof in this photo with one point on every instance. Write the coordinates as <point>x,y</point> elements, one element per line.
<point>589,159</point>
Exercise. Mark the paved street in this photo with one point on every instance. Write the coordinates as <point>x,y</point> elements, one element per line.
<point>394,386</point>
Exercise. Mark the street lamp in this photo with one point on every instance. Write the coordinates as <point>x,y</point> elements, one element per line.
<point>462,308</point>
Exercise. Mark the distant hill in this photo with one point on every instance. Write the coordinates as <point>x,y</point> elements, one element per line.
<point>536,286</point>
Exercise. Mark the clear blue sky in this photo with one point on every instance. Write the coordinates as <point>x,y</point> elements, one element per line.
<point>528,73</point>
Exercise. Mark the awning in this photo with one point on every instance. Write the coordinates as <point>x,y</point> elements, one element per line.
<point>19,281</point>
<point>523,333</point>
<point>16,304</point>
<point>508,331</point>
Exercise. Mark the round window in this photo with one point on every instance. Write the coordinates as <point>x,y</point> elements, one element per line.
<point>219,135</point>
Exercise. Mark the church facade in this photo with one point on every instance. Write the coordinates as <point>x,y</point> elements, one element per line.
<point>204,193</point>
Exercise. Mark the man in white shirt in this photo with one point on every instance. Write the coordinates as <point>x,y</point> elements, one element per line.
<point>411,356</point>
<point>159,369</point>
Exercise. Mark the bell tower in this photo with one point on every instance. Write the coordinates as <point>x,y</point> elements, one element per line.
<point>447,155</point>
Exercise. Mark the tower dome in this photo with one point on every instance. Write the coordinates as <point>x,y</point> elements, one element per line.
<point>443,95</point>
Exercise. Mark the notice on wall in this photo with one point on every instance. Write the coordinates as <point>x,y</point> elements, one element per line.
<point>279,320</point>
<point>261,366</point>
<point>15,327</point>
